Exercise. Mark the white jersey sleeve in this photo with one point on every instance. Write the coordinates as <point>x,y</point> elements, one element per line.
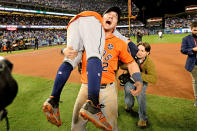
<point>117,34</point>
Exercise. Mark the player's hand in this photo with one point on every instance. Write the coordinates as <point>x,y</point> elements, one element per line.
<point>138,90</point>
<point>194,49</point>
<point>70,53</point>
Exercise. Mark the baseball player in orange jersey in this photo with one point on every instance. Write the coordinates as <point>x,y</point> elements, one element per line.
<point>114,50</point>
<point>55,119</point>
<point>84,32</point>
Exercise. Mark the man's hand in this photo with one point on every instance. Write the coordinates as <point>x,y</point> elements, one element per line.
<point>70,53</point>
<point>194,49</point>
<point>138,90</point>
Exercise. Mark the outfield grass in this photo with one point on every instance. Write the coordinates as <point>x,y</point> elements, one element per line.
<point>25,114</point>
<point>167,38</point>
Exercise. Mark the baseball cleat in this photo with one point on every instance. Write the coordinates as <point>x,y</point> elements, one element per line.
<point>51,110</point>
<point>94,114</point>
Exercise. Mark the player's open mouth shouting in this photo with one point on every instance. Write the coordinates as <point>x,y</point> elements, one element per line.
<point>110,21</point>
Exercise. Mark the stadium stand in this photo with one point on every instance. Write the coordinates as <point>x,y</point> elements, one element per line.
<point>24,39</point>
<point>25,33</point>
<point>31,20</point>
<point>72,5</point>
<point>177,22</point>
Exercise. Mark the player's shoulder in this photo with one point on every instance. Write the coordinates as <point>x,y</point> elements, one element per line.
<point>117,39</point>
<point>120,42</point>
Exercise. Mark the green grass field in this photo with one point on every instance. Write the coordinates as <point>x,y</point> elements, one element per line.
<point>165,113</point>
<point>167,38</point>
<point>25,114</point>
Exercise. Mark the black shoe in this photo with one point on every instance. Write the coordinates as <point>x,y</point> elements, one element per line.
<point>131,111</point>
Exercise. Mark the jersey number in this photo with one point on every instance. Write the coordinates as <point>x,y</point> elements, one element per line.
<point>105,66</point>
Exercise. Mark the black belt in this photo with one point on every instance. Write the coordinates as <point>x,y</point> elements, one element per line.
<point>103,86</point>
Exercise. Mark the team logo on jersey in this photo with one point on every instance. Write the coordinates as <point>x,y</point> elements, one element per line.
<point>110,46</point>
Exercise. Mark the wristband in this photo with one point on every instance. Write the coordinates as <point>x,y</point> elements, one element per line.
<point>137,77</point>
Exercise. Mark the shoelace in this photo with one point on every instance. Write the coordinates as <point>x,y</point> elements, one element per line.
<point>101,116</point>
<point>102,105</point>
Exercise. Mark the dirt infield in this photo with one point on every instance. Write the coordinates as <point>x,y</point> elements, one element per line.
<point>173,79</point>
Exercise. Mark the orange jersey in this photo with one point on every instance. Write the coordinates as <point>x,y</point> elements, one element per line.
<point>85,14</point>
<point>115,49</point>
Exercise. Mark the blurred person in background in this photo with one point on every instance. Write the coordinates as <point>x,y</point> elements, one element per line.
<point>9,46</point>
<point>1,45</point>
<point>36,43</point>
<point>160,34</point>
<point>189,48</point>
<point>139,37</point>
<point>50,41</point>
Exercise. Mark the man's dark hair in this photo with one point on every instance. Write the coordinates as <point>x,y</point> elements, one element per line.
<point>114,9</point>
<point>146,45</point>
<point>193,24</point>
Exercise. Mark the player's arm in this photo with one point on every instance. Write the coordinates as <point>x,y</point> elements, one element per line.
<point>132,49</point>
<point>124,67</point>
<point>71,56</point>
<point>134,71</point>
<point>69,52</point>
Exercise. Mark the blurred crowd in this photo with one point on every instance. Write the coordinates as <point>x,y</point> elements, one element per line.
<point>80,5</point>
<point>132,22</point>
<point>177,23</point>
<point>31,20</point>
<point>36,20</point>
<point>142,30</point>
<point>45,37</point>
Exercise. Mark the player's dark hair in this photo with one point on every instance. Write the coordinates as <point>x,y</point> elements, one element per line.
<point>146,45</point>
<point>115,9</point>
<point>194,24</point>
